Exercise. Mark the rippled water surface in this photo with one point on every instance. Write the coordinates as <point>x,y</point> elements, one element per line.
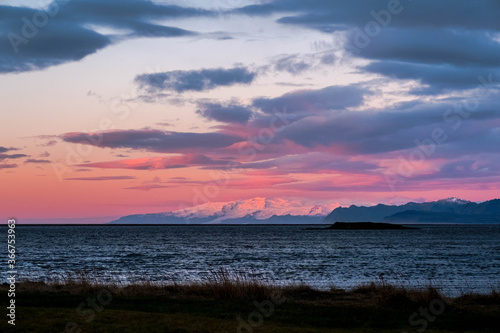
<point>454,258</point>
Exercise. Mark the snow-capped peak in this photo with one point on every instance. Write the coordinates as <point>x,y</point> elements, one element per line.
<point>260,208</point>
<point>455,200</point>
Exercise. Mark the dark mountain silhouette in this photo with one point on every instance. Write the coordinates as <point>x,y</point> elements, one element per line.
<point>412,216</point>
<point>367,226</point>
<point>451,210</point>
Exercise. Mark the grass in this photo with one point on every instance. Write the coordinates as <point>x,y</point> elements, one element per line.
<point>239,302</point>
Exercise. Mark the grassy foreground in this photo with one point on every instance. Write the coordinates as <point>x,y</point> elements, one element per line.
<point>234,303</point>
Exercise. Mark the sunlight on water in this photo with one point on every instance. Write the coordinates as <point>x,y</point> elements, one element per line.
<point>453,258</point>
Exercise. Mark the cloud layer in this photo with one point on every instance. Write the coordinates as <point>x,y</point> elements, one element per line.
<point>195,80</point>
<point>158,163</point>
<point>103,178</point>
<point>446,46</point>
<point>324,132</point>
<point>32,39</point>
<point>153,140</point>
<point>406,96</point>
<point>229,113</point>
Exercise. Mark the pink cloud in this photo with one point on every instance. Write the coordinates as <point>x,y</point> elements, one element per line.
<point>158,163</point>
<point>147,187</point>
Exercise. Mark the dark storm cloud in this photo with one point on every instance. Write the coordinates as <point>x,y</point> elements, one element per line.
<point>194,80</point>
<point>231,113</point>
<point>33,39</point>
<point>153,140</point>
<point>329,98</point>
<point>445,46</point>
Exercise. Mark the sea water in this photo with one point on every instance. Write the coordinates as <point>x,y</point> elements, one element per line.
<point>454,258</point>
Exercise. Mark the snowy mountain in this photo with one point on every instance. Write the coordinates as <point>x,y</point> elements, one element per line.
<point>295,211</point>
<point>255,210</point>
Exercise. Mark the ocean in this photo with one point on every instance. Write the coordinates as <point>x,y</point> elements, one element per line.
<point>454,258</point>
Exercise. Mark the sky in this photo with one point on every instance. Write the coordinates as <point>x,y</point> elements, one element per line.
<point>110,108</point>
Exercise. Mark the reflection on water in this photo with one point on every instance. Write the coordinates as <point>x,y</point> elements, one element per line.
<point>454,258</point>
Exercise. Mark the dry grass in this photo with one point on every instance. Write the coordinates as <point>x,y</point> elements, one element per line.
<point>213,304</point>
<point>398,296</point>
<point>218,284</point>
<point>223,284</point>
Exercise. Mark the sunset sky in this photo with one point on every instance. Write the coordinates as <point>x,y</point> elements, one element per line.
<point>110,108</point>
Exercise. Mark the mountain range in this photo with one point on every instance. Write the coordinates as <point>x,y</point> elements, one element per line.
<point>280,211</point>
<point>251,211</point>
<point>451,210</point>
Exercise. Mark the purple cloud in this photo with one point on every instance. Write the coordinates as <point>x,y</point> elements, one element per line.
<point>408,40</point>
<point>68,36</point>
<point>103,178</point>
<point>11,156</point>
<point>329,98</point>
<point>34,161</point>
<point>4,149</point>
<point>159,163</point>
<point>194,80</point>
<point>153,140</point>
<point>8,166</point>
<point>147,187</point>
<point>231,113</point>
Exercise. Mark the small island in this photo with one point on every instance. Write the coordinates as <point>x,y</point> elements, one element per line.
<point>367,226</point>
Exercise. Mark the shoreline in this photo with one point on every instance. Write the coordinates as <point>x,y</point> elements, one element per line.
<point>90,277</point>
<point>214,305</point>
<point>76,282</point>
